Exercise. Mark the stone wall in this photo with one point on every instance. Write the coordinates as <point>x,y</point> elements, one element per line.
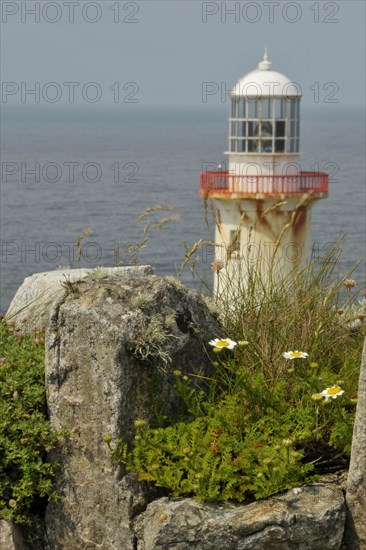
<point>306,518</point>
<point>112,345</point>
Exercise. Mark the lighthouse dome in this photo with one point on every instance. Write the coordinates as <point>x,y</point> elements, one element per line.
<point>264,82</point>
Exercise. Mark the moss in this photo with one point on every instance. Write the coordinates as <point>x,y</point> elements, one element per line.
<point>142,301</point>
<point>151,340</point>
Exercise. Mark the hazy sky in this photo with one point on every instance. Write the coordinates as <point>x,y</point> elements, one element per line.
<point>162,52</point>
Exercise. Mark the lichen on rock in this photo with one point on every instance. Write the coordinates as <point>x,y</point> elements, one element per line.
<point>102,352</point>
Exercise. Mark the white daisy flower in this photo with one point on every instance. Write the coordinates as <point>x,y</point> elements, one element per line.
<point>332,392</point>
<point>219,344</point>
<point>295,355</point>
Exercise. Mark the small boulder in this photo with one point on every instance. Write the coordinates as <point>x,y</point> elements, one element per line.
<point>307,518</point>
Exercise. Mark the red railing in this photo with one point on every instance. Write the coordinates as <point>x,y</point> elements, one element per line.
<point>226,183</point>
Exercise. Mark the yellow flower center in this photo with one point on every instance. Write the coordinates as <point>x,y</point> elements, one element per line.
<point>334,391</point>
<point>296,353</point>
<point>222,343</point>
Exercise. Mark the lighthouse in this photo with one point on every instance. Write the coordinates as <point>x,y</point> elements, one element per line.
<point>263,200</point>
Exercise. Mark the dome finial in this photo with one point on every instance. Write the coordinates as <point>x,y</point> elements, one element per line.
<point>265,65</point>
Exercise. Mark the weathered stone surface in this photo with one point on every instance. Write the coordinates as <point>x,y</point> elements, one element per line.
<point>355,535</point>
<point>34,299</point>
<point>105,340</point>
<point>307,518</point>
<point>11,536</point>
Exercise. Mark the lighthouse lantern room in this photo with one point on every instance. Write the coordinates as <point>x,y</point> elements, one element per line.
<point>263,200</point>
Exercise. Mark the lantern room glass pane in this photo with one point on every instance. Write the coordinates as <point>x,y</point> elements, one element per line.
<point>252,146</point>
<point>293,146</point>
<point>266,146</point>
<point>234,107</point>
<point>252,128</point>
<point>252,108</point>
<point>237,145</point>
<point>294,129</point>
<point>267,129</point>
<point>279,145</point>
<point>241,110</point>
<point>280,128</point>
<point>288,108</point>
<point>279,108</point>
<point>266,107</point>
<point>294,108</point>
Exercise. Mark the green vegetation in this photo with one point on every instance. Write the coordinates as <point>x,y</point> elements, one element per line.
<point>25,433</point>
<point>278,409</point>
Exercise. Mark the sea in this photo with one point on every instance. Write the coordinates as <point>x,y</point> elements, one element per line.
<point>85,175</point>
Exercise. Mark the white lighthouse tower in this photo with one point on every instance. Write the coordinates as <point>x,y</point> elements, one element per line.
<point>263,201</point>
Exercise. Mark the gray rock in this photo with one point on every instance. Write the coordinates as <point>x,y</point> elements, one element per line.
<point>34,299</point>
<point>11,536</point>
<point>355,535</point>
<point>111,349</point>
<point>307,518</point>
